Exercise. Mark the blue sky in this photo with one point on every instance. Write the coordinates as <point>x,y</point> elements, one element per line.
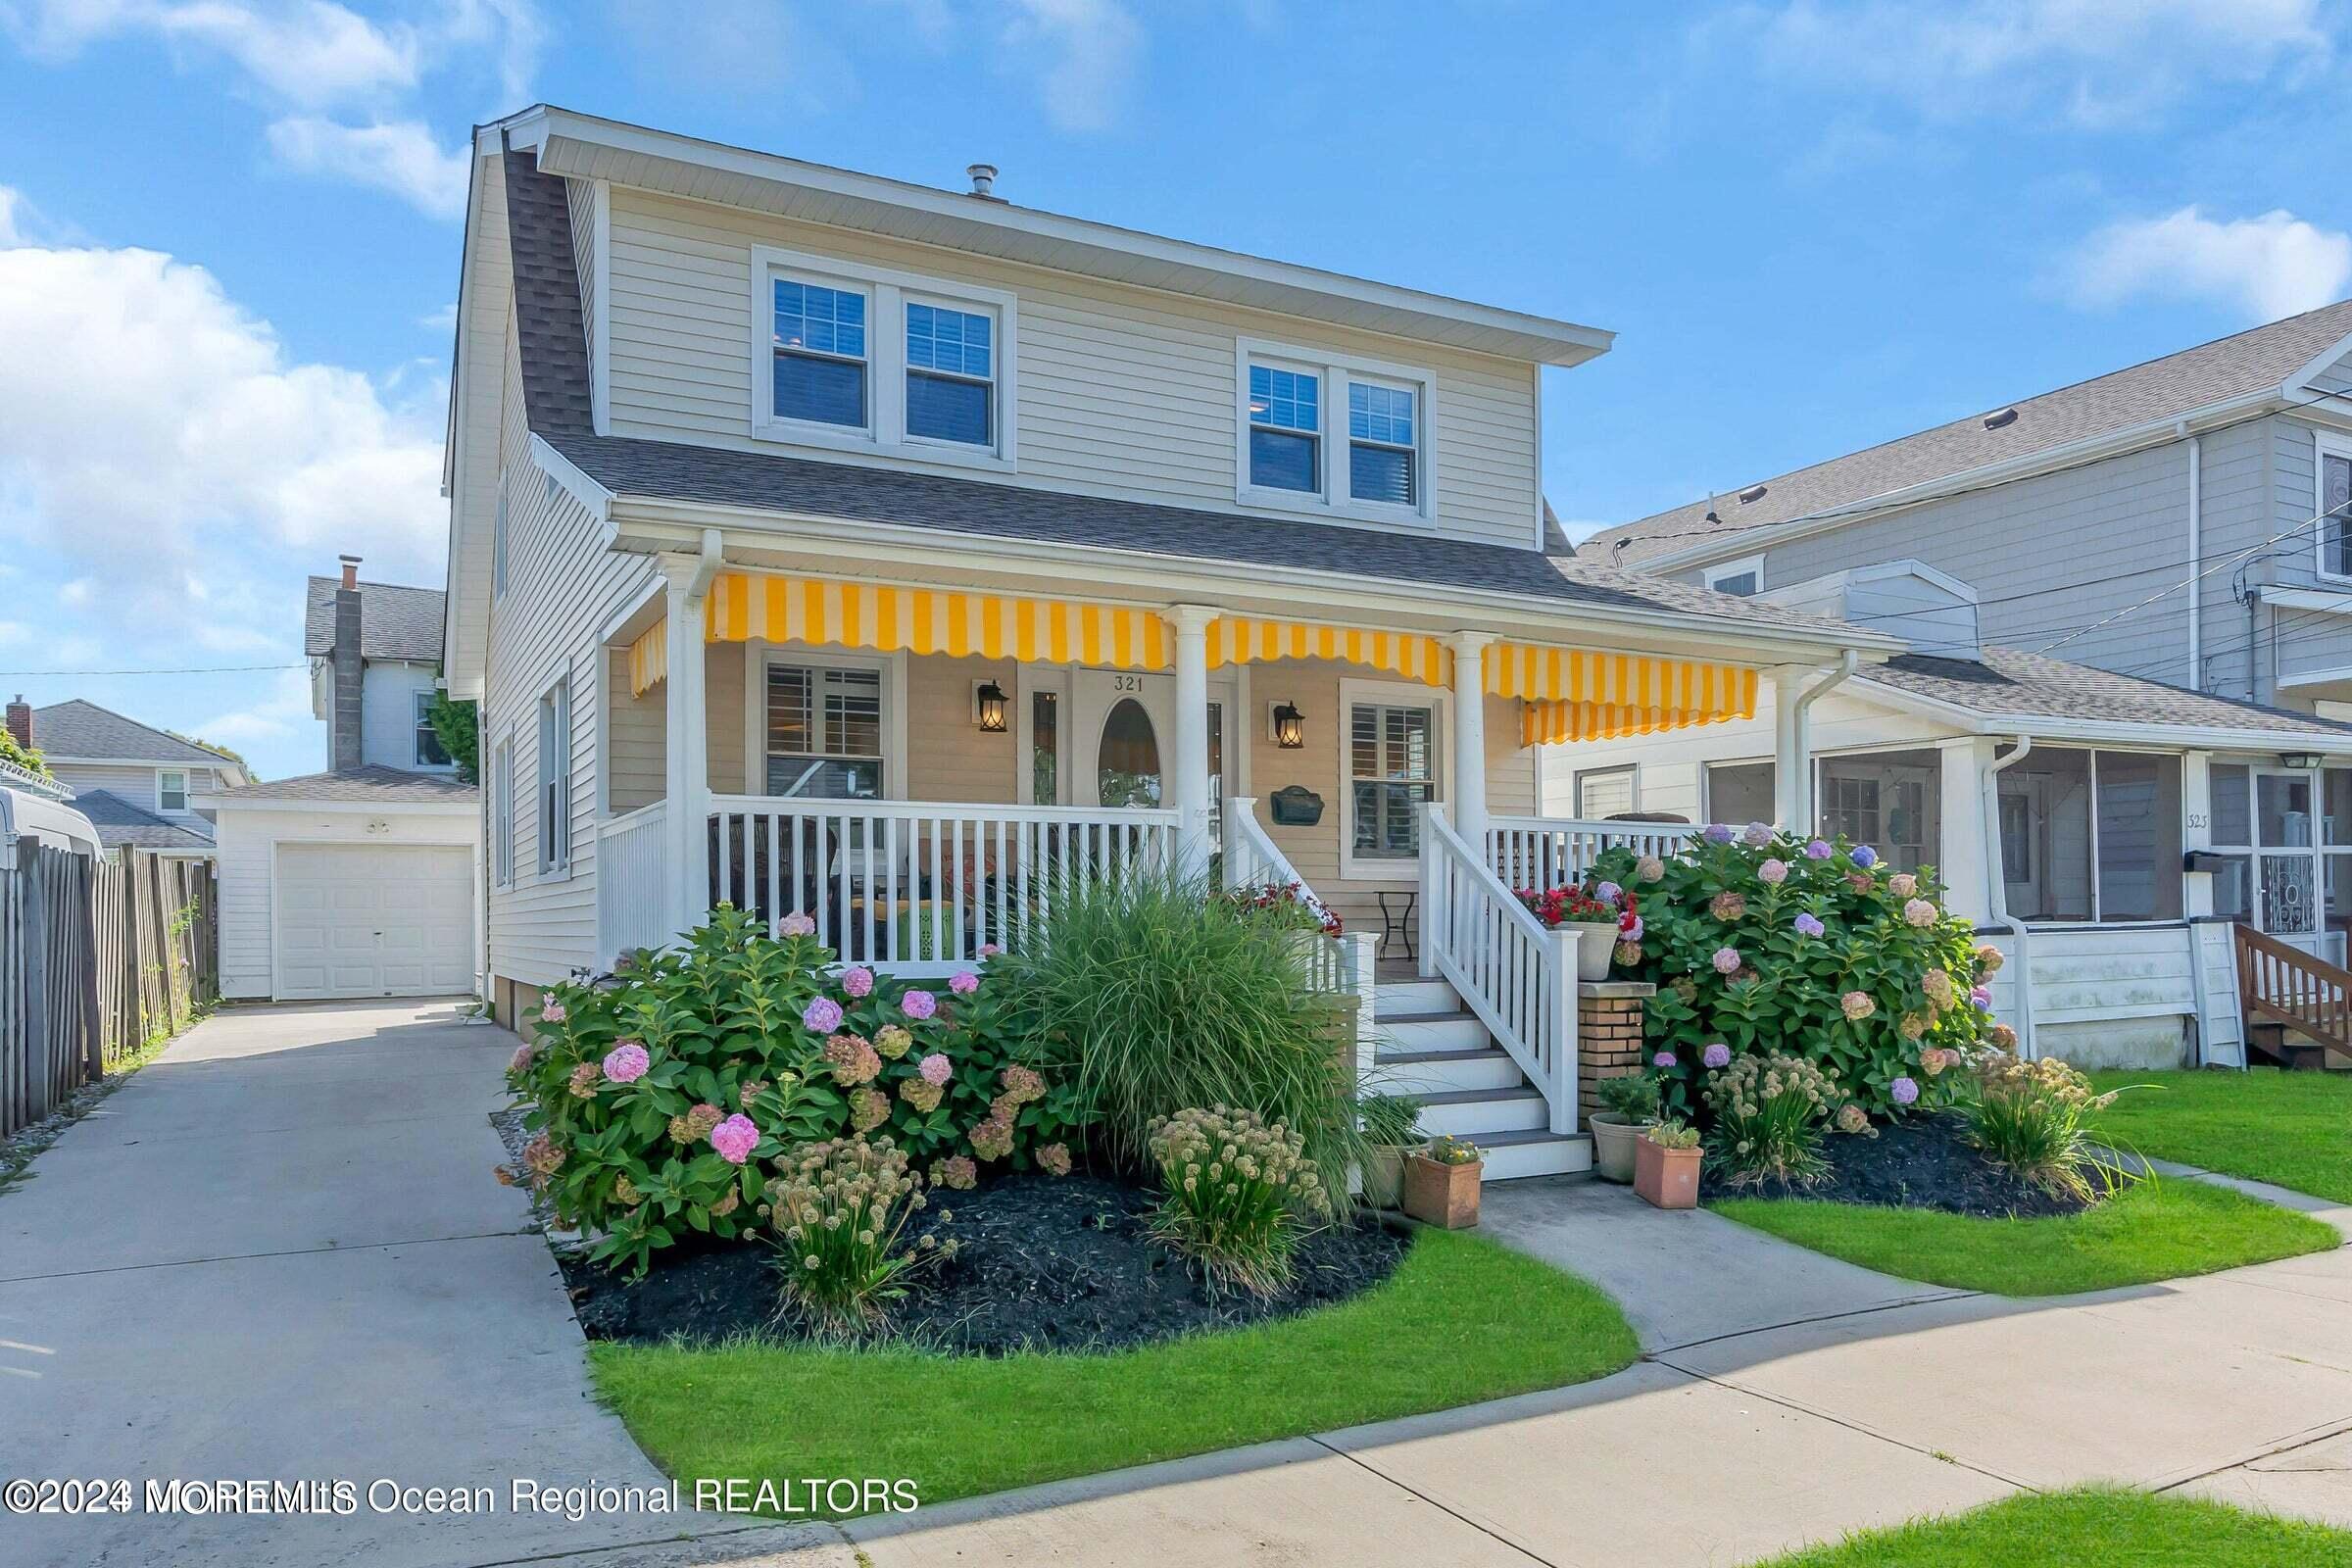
<point>228,234</point>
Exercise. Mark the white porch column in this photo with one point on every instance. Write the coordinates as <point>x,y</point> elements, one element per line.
<point>1190,792</point>
<point>1969,862</point>
<point>687,752</point>
<point>1788,765</point>
<point>1470,738</point>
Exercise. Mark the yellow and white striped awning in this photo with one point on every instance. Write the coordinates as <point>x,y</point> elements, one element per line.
<point>1570,694</point>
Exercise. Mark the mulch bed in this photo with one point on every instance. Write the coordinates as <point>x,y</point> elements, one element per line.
<point>1922,1163</point>
<point>1041,1265</point>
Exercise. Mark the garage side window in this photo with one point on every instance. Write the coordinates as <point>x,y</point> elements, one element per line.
<point>555,779</point>
<point>502,811</point>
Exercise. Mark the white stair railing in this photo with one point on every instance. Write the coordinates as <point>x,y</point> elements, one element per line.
<point>1543,852</point>
<point>1518,977</point>
<point>632,887</point>
<point>1344,964</point>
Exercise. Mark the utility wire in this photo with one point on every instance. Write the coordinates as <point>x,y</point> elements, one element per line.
<point>207,669</point>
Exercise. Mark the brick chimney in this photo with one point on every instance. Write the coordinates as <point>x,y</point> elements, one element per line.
<point>19,721</point>
<point>343,726</point>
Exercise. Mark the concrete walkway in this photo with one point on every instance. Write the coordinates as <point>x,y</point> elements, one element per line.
<point>277,1254</point>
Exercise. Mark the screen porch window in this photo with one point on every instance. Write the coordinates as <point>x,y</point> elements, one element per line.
<point>820,352</point>
<point>1740,793</point>
<point>1382,457</point>
<point>950,374</point>
<point>2091,836</point>
<point>1392,760</point>
<point>430,753</point>
<point>2335,503</point>
<point>1286,423</point>
<point>1891,801</point>
<point>824,732</point>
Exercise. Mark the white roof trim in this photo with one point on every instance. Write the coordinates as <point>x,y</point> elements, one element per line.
<point>2300,381</point>
<point>295,802</point>
<point>586,147</point>
<point>2051,726</point>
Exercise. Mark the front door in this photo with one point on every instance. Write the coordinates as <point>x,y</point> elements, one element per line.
<point>2287,859</point>
<point>1124,740</point>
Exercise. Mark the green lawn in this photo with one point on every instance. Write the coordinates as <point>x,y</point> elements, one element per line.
<point>2292,1128</point>
<point>2090,1529</point>
<point>1461,1320</point>
<point>2154,1230</point>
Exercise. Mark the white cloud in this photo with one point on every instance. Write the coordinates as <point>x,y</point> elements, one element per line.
<point>283,713</point>
<point>401,158</point>
<point>2098,62</point>
<point>444,320</point>
<point>2266,266</point>
<point>154,436</point>
<point>10,229</point>
<point>308,52</point>
<point>1089,50</point>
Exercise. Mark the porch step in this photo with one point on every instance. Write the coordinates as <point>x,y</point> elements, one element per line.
<point>1394,996</point>
<point>1437,1072</point>
<point>1511,1156</point>
<point>1433,1031</point>
<point>1481,1113</point>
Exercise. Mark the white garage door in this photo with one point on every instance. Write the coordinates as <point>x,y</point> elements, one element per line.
<point>374,920</point>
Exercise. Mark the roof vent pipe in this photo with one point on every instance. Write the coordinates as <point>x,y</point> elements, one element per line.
<point>984,181</point>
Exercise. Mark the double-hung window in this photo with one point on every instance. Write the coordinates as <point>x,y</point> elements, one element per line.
<point>951,381</point>
<point>820,358</point>
<point>502,811</point>
<point>2335,506</point>
<point>1324,435</point>
<point>430,753</point>
<point>555,779</point>
<point>171,790</point>
<point>1392,769</point>
<point>825,731</point>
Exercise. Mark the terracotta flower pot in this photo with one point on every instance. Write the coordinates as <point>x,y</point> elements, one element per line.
<point>1443,1194</point>
<point>1613,1141</point>
<point>1667,1178</point>
<point>1384,1175</point>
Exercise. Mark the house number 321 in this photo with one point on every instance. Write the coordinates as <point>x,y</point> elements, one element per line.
<point>1126,683</point>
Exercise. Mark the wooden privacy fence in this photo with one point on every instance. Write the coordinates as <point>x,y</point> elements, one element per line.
<point>96,957</point>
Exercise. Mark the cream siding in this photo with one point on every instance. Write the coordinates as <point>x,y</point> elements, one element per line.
<point>586,199</point>
<point>1123,392</point>
<point>636,766</point>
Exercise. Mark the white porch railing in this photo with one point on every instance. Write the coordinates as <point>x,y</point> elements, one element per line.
<point>1518,977</point>
<point>632,883</point>
<point>1543,852</point>
<point>1344,965</point>
<point>919,886</point>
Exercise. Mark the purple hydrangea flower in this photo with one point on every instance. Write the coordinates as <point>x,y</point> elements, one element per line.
<point>1756,835</point>
<point>918,1004</point>
<point>858,980</point>
<point>1719,833</point>
<point>1818,850</point>
<point>735,1138</point>
<point>1864,857</point>
<point>936,1069</point>
<point>1664,1060</point>
<point>796,925</point>
<point>1726,961</point>
<point>1981,996</point>
<point>1716,1055</point>
<point>1809,924</point>
<point>822,1015</point>
<point>1773,872</point>
<point>1608,892</point>
<point>1903,1091</point>
<point>964,982</point>
<point>1632,930</point>
<point>626,1062</point>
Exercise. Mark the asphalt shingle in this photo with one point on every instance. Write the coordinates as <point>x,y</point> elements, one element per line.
<point>74,728</point>
<point>371,783</point>
<point>120,822</point>
<point>2013,682</point>
<point>395,621</point>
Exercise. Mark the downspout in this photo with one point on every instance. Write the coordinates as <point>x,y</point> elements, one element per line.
<point>2196,558</point>
<point>1996,892</point>
<point>1802,798</point>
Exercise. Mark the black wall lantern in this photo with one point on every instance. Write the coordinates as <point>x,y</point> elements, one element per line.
<point>1290,727</point>
<point>988,707</point>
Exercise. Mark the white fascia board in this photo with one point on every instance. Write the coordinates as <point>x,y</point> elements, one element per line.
<point>2119,732</point>
<point>2317,677</point>
<point>2298,385</point>
<point>1153,579</point>
<point>295,802</point>
<point>586,491</point>
<point>2049,460</point>
<point>2328,601</point>
<point>964,222</point>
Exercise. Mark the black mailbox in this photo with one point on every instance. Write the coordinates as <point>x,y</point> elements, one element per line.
<point>2207,861</point>
<point>1295,805</point>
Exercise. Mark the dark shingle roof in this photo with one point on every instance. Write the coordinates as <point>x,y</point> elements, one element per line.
<point>74,728</point>
<point>2178,383</point>
<point>553,342</point>
<point>2013,682</point>
<point>388,785</point>
<point>395,621</point>
<point>120,822</point>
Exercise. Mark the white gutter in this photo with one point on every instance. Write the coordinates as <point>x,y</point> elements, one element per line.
<point>1800,798</point>
<point>1996,891</point>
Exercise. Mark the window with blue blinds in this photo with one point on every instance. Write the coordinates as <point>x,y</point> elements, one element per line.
<point>950,374</point>
<point>1382,448</point>
<point>821,348</point>
<point>1286,424</point>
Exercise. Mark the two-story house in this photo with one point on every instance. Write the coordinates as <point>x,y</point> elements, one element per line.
<point>823,543</point>
<point>2129,602</point>
<point>359,880</point>
<point>138,785</point>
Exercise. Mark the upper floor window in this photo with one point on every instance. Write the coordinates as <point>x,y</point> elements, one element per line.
<point>951,388</point>
<point>864,359</point>
<point>1742,577</point>
<point>1296,455</point>
<point>429,750</point>
<point>820,354</point>
<point>2335,506</point>
<point>171,790</point>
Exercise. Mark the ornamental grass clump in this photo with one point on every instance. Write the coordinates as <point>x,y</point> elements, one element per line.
<point>1233,1191</point>
<point>2030,1116</point>
<point>1768,1113</point>
<point>837,1209</point>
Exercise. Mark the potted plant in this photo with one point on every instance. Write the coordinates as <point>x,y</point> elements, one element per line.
<point>1391,1125</point>
<point>1441,1183</point>
<point>1666,1166</point>
<point>1595,920</point>
<point>1629,1107</point>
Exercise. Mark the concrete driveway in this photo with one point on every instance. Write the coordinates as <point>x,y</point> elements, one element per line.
<point>277,1254</point>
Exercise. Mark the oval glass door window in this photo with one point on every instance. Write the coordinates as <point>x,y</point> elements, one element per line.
<point>1128,765</point>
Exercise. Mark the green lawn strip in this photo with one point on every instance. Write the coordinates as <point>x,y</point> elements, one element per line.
<point>2154,1230</point>
<point>1461,1320</point>
<point>2290,1128</point>
<point>2092,1528</point>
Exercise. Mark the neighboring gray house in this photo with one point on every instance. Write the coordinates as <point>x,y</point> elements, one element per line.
<point>150,771</point>
<point>398,670</point>
<point>121,824</point>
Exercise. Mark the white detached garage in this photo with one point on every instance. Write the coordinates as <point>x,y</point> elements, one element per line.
<point>352,884</point>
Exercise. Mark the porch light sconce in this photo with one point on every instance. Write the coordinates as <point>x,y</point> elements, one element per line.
<point>988,707</point>
<point>2302,761</point>
<point>1290,727</point>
